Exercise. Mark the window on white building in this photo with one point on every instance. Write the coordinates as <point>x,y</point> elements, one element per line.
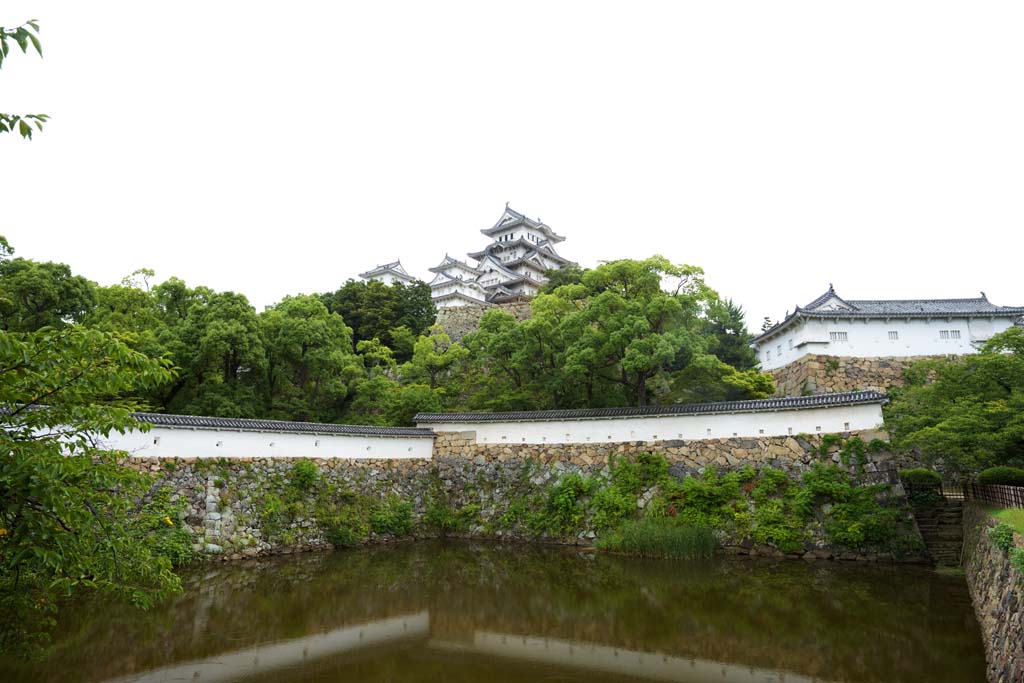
<point>768,354</point>
<point>894,335</point>
<point>949,334</point>
<point>838,336</point>
<point>790,344</point>
<point>779,349</point>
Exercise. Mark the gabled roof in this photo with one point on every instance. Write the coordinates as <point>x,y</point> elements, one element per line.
<point>510,218</point>
<point>395,268</point>
<point>831,305</point>
<point>764,405</point>
<point>449,262</point>
<point>203,422</point>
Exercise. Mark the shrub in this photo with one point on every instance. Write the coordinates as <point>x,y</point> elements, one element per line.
<point>305,475</point>
<point>659,537</point>
<point>612,506</point>
<point>1002,536</point>
<point>1017,560</point>
<point>1008,476</point>
<point>393,517</point>
<point>443,518</point>
<point>920,476</point>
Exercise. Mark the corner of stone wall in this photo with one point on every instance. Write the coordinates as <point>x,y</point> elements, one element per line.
<point>819,374</point>
<point>996,592</point>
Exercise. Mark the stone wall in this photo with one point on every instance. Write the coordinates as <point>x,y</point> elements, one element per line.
<point>793,454</point>
<point>996,592</point>
<point>458,321</point>
<point>836,374</point>
<point>225,502</point>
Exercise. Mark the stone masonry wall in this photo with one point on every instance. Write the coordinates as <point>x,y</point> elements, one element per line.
<point>793,454</point>
<point>458,321</point>
<point>997,594</point>
<point>225,501</point>
<point>836,374</point>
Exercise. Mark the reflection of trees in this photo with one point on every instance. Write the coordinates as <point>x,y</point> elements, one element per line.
<point>841,622</point>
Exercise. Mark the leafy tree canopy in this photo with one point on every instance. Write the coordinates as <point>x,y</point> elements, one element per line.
<point>72,517</point>
<point>964,414</point>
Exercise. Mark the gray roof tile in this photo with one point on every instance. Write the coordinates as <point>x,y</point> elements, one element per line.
<point>203,422</point>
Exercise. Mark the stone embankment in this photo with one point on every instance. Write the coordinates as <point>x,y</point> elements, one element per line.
<point>996,591</point>
<point>242,507</point>
<point>836,374</point>
<point>458,321</point>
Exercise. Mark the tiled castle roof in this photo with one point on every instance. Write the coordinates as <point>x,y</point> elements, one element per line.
<point>893,308</point>
<point>202,422</point>
<point>763,405</point>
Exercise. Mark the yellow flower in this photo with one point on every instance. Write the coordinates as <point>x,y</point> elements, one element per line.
<point>3,532</point>
<point>168,520</point>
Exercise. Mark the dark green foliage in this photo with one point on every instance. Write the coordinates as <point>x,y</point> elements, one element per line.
<point>305,475</point>
<point>444,519</point>
<point>1007,476</point>
<point>564,508</point>
<point>920,476</point>
<point>34,295</point>
<point>375,311</point>
<point>1017,562</point>
<point>659,537</point>
<point>74,519</point>
<point>964,414</point>
<point>392,517</point>
<point>1001,536</point>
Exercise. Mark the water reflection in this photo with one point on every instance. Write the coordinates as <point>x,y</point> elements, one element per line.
<point>468,612</point>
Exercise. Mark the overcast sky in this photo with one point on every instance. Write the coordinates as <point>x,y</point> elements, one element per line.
<point>274,148</point>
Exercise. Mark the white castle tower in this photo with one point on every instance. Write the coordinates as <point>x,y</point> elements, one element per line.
<point>512,265</point>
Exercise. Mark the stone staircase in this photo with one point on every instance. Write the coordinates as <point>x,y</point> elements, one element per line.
<point>941,525</point>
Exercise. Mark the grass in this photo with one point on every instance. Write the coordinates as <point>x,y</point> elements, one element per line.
<point>659,537</point>
<point>1012,516</point>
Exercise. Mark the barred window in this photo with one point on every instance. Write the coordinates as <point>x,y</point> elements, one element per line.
<point>949,334</point>
<point>838,336</point>
<point>894,335</point>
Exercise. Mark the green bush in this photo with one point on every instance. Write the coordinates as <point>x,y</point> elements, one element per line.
<point>443,518</point>
<point>1017,560</point>
<point>1002,536</point>
<point>305,475</point>
<point>392,517</point>
<point>612,506</point>
<point>659,537</point>
<point>563,510</point>
<point>1008,476</point>
<point>920,476</point>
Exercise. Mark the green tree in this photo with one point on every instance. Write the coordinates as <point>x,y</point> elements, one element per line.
<point>726,325</point>
<point>377,311</point>
<point>221,356</point>
<point>21,36</point>
<point>35,295</point>
<point>964,414</point>
<point>73,518</point>
<point>310,365</point>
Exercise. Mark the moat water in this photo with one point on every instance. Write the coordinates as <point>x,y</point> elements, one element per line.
<point>460,611</point>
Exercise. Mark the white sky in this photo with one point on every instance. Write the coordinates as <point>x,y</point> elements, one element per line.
<point>278,148</point>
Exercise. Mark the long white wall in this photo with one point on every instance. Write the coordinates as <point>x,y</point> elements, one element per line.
<point>184,442</point>
<point>871,338</point>
<point>661,428</point>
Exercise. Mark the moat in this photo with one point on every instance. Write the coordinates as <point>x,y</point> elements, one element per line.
<point>460,611</point>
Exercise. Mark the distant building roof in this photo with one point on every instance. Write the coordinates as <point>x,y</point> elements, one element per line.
<point>831,305</point>
<point>202,422</point>
<point>448,262</point>
<point>763,405</point>
<point>395,268</point>
<point>510,218</point>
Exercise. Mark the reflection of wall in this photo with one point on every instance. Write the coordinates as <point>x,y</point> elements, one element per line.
<point>232,666</point>
<point>646,665</point>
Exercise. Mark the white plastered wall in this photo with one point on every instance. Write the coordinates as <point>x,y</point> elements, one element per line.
<point>870,338</point>
<point>184,442</point>
<point>662,428</point>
